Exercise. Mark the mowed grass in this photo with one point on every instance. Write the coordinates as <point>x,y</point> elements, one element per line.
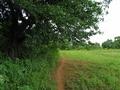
<point>92,70</point>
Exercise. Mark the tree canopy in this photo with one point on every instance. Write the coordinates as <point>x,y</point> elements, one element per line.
<point>59,20</point>
<point>107,44</point>
<point>65,19</point>
<point>112,44</point>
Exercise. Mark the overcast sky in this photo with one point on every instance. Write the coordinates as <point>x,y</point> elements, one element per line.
<point>111,24</point>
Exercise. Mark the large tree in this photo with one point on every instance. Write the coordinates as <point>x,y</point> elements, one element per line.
<point>15,24</point>
<point>55,21</point>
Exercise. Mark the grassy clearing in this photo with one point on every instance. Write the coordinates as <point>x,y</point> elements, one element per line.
<point>94,69</point>
<point>99,56</point>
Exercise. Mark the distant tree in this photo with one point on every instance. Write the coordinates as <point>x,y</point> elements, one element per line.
<point>107,44</point>
<point>91,45</point>
<point>116,42</point>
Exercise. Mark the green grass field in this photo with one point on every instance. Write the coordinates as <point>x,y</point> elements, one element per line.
<point>83,70</point>
<point>99,69</point>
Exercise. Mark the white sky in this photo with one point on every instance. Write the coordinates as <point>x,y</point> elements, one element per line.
<point>111,25</point>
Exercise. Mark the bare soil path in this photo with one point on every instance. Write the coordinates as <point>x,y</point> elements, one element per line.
<point>59,75</point>
<point>64,71</point>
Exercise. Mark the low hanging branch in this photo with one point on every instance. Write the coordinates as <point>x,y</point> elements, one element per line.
<point>18,22</point>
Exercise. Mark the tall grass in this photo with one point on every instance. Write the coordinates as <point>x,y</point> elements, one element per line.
<point>95,70</point>
<point>33,73</point>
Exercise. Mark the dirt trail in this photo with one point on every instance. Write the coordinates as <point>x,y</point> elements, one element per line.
<point>64,70</point>
<point>59,76</point>
<point>60,73</point>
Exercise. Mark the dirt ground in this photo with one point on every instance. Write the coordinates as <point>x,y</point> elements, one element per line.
<point>59,75</point>
<point>63,71</point>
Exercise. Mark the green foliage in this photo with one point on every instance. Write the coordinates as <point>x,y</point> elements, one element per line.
<point>116,42</point>
<point>59,21</point>
<point>89,45</point>
<point>107,44</point>
<point>64,20</point>
<point>85,45</point>
<point>112,44</point>
<point>28,74</point>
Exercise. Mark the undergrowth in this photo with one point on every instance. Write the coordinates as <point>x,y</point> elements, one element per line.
<point>33,73</point>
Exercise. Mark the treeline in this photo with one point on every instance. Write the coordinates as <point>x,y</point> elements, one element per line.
<point>84,45</point>
<point>112,44</point>
<point>108,44</point>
